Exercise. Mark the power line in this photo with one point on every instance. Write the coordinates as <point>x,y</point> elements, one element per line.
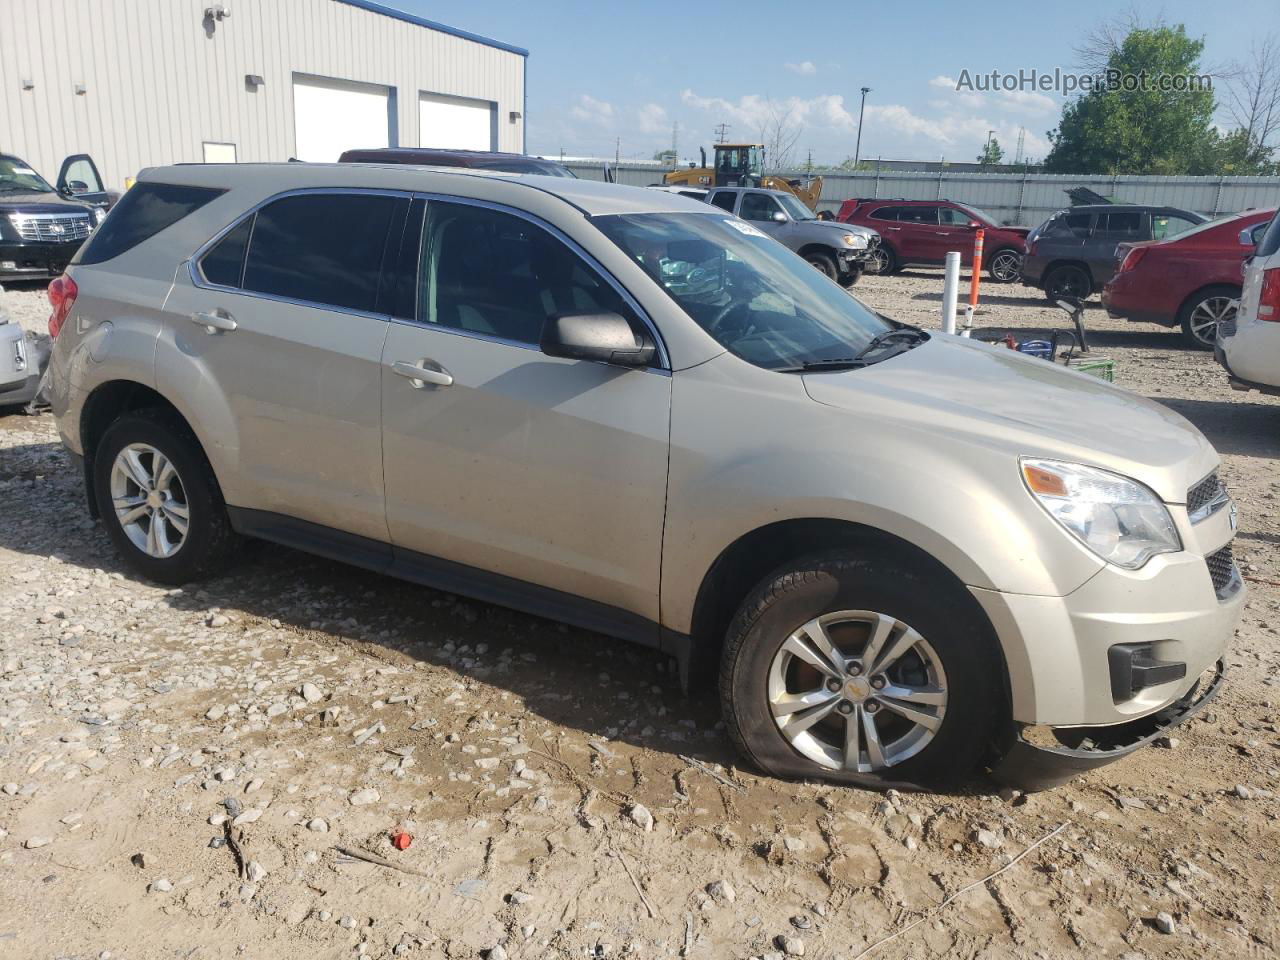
<point>721,130</point>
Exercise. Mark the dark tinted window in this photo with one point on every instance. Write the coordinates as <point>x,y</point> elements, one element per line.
<point>321,248</point>
<point>758,206</point>
<point>496,274</point>
<point>886,213</point>
<point>927,215</point>
<point>1270,243</point>
<point>724,200</point>
<point>143,211</point>
<point>1122,222</point>
<point>224,263</point>
<point>1070,224</point>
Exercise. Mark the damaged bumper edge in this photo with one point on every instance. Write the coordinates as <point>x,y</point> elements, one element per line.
<point>1032,767</point>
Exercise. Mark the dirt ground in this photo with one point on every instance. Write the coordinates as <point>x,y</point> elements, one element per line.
<point>563,798</point>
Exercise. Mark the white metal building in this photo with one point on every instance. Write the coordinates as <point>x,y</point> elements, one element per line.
<point>138,83</point>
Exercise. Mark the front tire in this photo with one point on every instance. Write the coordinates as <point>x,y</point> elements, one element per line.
<point>159,499</point>
<point>859,670</point>
<point>1200,316</point>
<point>882,261</point>
<point>851,276</point>
<point>824,263</point>
<point>1005,265</point>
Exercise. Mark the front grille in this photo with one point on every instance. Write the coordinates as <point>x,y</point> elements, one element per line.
<point>1222,569</point>
<point>52,227</point>
<point>1203,494</point>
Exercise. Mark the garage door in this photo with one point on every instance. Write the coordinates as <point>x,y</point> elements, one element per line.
<point>456,123</point>
<point>330,116</point>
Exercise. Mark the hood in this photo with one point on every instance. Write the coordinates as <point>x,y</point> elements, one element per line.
<point>33,202</point>
<point>841,227</point>
<point>992,397</point>
<point>1019,231</point>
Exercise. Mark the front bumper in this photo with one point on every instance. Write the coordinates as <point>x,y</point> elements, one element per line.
<point>1030,766</point>
<point>35,261</point>
<point>1031,270</point>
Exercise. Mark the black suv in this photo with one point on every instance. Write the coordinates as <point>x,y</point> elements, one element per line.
<point>1073,253</point>
<point>41,227</point>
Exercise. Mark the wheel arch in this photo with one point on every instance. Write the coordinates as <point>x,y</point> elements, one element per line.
<point>825,249</point>
<point>744,563</point>
<point>1204,288</point>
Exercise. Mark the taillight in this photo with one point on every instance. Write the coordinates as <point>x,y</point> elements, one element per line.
<point>1132,258</point>
<point>62,295</point>
<point>1269,296</point>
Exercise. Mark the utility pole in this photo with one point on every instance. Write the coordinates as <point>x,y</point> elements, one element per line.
<point>721,130</point>
<point>857,150</point>
<point>675,145</point>
<point>617,151</point>
<point>1022,142</point>
<point>808,164</point>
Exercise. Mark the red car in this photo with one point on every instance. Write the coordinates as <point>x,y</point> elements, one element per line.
<point>1191,280</point>
<point>923,231</point>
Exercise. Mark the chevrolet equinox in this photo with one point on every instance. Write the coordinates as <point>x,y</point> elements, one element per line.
<point>906,555</point>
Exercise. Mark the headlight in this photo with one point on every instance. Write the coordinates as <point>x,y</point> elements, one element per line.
<point>854,240</point>
<point>99,214</point>
<point>1119,519</point>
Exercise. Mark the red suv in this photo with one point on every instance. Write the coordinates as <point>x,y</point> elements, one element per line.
<point>924,231</point>
<point>1192,280</point>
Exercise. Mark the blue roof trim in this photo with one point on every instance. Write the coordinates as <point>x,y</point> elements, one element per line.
<point>392,12</point>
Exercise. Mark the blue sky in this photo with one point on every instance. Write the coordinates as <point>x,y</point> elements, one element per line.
<point>603,70</point>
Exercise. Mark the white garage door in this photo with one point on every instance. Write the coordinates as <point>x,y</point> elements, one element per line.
<point>330,116</point>
<point>456,123</point>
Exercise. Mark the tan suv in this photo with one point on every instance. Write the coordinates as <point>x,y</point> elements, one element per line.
<point>636,413</point>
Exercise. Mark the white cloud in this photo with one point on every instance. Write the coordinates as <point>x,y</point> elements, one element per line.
<point>1015,101</point>
<point>949,130</point>
<point>804,68</point>
<point>590,110</point>
<point>751,111</point>
<point>652,118</point>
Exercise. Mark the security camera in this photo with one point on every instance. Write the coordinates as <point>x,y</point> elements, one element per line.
<point>216,12</point>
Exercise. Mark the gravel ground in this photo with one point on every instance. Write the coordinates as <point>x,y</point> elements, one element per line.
<point>181,770</point>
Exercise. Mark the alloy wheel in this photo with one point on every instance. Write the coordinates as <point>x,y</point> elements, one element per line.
<point>1005,266</point>
<point>149,500</point>
<point>857,690</point>
<point>878,262</point>
<point>1210,312</point>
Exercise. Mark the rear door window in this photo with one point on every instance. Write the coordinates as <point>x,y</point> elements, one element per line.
<point>919,215</point>
<point>886,213</point>
<point>1125,224</point>
<point>224,263</point>
<point>724,200</point>
<point>144,210</point>
<point>323,248</point>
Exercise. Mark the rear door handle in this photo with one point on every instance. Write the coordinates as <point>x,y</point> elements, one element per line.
<point>215,322</point>
<point>893,228</point>
<point>419,376</point>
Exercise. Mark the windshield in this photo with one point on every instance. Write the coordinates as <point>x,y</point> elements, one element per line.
<point>545,168</point>
<point>979,214</point>
<point>17,177</point>
<point>753,295</point>
<point>796,207</point>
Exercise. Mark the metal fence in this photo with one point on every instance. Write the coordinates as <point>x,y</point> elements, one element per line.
<point>1025,199</point>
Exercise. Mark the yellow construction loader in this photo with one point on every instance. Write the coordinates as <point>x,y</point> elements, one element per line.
<point>742,165</point>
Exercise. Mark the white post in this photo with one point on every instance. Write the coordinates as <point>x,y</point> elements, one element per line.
<point>950,292</point>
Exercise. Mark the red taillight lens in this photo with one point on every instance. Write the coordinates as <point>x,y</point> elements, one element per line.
<point>1132,258</point>
<point>1269,296</point>
<point>62,295</point>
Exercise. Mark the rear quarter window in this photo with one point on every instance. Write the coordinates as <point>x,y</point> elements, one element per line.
<point>1270,244</point>
<point>144,210</point>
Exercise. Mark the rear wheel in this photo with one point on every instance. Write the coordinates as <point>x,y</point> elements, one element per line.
<point>823,262</point>
<point>1068,281</point>
<point>1005,265</point>
<point>860,671</point>
<point>159,499</point>
<point>1200,316</point>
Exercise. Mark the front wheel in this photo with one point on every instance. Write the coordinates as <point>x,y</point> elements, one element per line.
<point>1005,266</point>
<point>159,500</point>
<point>851,276</point>
<point>1200,316</point>
<point>881,261</point>
<point>859,670</point>
<point>824,262</point>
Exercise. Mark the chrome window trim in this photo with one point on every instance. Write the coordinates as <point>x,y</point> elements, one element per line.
<point>664,360</point>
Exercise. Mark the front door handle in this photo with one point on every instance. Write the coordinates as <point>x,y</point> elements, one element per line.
<point>419,376</point>
<point>215,322</point>
<point>895,229</point>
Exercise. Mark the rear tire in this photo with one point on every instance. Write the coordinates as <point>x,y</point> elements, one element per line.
<point>952,662</point>
<point>1068,281</point>
<point>1200,316</point>
<point>1005,266</point>
<point>159,499</point>
<point>824,262</point>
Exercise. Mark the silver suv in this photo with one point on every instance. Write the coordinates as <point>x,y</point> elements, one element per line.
<point>904,554</point>
<point>840,250</point>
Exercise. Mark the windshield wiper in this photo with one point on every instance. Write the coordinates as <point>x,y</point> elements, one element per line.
<point>834,363</point>
<point>908,336</point>
<point>905,335</point>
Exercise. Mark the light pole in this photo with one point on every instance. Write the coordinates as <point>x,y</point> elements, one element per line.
<point>857,150</point>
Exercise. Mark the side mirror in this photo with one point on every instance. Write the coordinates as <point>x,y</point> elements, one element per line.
<point>1246,237</point>
<point>779,217</point>
<point>974,225</point>
<point>77,187</point>
<point>602,337</point>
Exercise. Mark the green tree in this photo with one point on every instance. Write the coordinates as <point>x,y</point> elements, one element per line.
<point>665,156</point>
<point>1147,130</point>
<point>991,153</point>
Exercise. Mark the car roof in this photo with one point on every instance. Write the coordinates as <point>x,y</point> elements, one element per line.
<point>592,197</point>
<point>775,193</point>
<point>426,155</point>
